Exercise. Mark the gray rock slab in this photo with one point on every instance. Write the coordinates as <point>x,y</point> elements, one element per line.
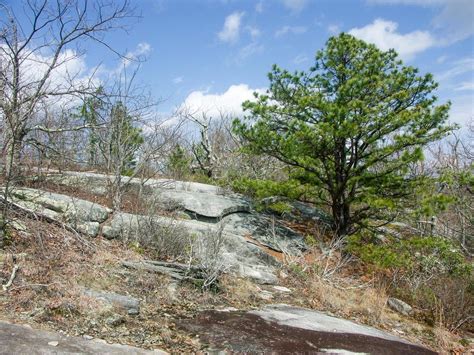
<point>95,179</point>
<point>128,303</point>
<point>244,258</point>
<point>205,204</point>
<point>22,340</point>
<point>281,329</point>
<point>317,321</point>
<point>91,229</point>
<point>259,273</point>
<point>265,230</point>
<point>196,198</point>
<point>69,208</point>
<point>399,306</point>
<point>184,186</point>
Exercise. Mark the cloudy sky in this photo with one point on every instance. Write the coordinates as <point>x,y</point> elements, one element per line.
<point>214,53</point>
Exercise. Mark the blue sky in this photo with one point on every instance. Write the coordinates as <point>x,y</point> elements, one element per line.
<point>215,53</point>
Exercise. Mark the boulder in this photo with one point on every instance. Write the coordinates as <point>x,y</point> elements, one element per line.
<point>199,204</point>
<point>128,303</point>
<point>399,306</point>
<point>259,273</point>
<point>72,208</point>
<point>91,229</point>
<point>252,243</point>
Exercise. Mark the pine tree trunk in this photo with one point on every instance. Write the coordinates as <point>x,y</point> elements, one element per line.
<point>341,217</point>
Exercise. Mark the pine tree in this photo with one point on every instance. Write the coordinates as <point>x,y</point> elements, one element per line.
<point>350,126</point>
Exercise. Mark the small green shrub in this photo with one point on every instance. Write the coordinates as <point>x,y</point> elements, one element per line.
<point>427,272</point>
<point>260,189</point>
<point>411,255</point>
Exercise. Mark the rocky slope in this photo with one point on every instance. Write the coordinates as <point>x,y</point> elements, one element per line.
<point>206,209</point>
<point>139,295</point>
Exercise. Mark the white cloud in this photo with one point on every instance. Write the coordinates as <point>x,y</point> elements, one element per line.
<point>299,59</point>
<point>70,71</point>
<point>231,30</point>
<point>457,68</point>
<point>462,110</point>
<point>295,5</point>
<point>228,102</point>
<point>455,22</point>
<point>249,50</point>
<point>259,7</point>
<point>253,31</point>
<point>384,35</point>
<point>334,29</point>
<point>466,86</point>
<point>290,30</point>
<point>140,52</point>
<point>178,80</point>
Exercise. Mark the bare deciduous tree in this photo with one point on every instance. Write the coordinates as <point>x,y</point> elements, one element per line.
<point>203,150</point>
<point>34,57</point>
<point>129,136</point>
<point>30,58</point>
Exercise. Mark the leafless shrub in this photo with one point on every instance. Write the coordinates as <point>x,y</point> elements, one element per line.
<point>168,239</point>
<point>207,254</point>
<point>447,302</point>
<point>451,162</point>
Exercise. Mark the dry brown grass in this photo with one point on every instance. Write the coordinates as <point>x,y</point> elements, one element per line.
<point>48,291</point>
<point>240,293</point>
<point>367,303</point>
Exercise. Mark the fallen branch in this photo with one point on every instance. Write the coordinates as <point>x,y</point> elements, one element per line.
<point>176,271</point>
<point>12,277</point>
<point>33,285</point>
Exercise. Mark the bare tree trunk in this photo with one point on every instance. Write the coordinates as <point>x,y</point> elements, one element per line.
<point>117,192</point>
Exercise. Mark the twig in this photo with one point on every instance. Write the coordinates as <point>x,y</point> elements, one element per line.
<point>12,277</point>
<point>33,285</point>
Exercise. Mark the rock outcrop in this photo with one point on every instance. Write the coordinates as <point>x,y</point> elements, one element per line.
<point>22,339</point>
<point>82,215</point>
<point>247,237</point>
<point>242,257</point>
<point>198,200</point>
<point>287,329</point>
